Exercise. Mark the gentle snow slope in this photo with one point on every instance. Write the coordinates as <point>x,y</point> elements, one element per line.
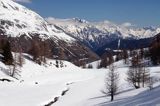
<point>39,85</point>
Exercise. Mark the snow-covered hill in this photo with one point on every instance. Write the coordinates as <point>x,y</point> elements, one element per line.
<point>96,34</point>
<point>39,85</point>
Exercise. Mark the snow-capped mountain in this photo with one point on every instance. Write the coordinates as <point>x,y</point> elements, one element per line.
<point>73,35</point>
<point>97,34</point>
<point>17,21</point>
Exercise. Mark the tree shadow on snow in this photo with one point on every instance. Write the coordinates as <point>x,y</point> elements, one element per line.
<point>145,98</point>
<point>107,97</point>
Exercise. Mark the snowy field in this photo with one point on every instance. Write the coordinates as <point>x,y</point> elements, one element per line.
<point>71,86</point>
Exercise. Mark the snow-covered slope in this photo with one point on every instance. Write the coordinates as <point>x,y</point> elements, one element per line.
<point>96,34</point>
<point>16,20</point>
<point>72,86</point>
<point>38,85</point>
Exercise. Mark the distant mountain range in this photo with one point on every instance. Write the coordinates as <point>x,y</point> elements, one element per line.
<point>79,39</point>
<point>97,35</point>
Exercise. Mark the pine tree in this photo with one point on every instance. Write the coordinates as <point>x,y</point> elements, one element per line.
<point>7,55</point>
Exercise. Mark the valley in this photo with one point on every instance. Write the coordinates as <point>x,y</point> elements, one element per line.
<point>47,61</point>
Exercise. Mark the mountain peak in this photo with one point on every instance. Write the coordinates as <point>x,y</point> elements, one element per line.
<point>80,20</point>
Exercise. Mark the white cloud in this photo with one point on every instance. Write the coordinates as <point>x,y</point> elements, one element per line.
<point>23,1</point>
<point>127,24</point>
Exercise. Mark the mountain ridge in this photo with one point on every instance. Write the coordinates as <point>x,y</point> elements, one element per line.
<point>97,34</point>
<point>23,26</point>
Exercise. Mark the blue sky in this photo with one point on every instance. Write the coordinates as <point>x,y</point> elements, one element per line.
<point>138,12</point>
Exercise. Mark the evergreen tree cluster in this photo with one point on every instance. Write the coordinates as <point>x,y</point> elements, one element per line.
<point>154,51</point>
<point>5,50</point>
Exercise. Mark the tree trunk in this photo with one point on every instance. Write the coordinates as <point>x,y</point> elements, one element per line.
<point>112,97</point>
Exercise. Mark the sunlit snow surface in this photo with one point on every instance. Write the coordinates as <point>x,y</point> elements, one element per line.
<point>39,85</point>
<point>24,21</point>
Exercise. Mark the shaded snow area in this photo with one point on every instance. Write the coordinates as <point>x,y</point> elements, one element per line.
<point>47,85</point>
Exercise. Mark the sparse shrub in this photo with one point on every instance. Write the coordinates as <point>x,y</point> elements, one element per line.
<point>90,66</point>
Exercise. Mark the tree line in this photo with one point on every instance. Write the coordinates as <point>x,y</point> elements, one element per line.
<point>40,50</point>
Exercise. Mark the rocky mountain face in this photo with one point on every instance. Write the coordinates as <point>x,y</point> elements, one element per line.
<point>101,35</point>
<point>22,27</point>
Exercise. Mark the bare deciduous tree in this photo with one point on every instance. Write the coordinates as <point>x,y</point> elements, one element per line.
<point>150,83</point>
<point>40,50</point>
<point>137,74</point>
<point>125,56</point>
<point>145,76</point>
<point>112,79</point>
<point>107,60</point>
<point>20,58</point>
